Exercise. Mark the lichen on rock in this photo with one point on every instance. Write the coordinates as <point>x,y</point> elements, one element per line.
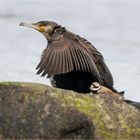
<point>35,111</point>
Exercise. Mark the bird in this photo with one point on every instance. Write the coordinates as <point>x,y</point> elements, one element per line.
<point>69,60</point>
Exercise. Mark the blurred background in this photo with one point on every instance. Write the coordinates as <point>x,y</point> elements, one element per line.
<point>113,27</point>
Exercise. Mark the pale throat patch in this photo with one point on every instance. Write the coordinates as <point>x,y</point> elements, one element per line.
<point>48,28</point>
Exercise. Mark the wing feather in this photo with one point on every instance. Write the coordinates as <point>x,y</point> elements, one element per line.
<point>65,62</point>
<point>70,61</point>
<point>45,57</point>
<point>84,63</point>
<point>56,56</point>
<point>66,55</point>
<point>75,59</point>
<point>47,64</point>
<point>48,67</point>
<point>104,72</point>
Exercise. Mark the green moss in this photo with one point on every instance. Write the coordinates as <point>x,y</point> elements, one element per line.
<point>138,132</point>
<point>87,105</point>
<point>92,108</point>
<point>90,105</point>
<point>8,83</point>
<point>31,87</point>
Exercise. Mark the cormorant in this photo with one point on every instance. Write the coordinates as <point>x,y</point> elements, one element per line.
<point>70,61</point>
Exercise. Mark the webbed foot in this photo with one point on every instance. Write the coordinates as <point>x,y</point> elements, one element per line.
<point>97,88</point>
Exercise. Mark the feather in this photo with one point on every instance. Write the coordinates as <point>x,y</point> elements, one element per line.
<point>72,52</point>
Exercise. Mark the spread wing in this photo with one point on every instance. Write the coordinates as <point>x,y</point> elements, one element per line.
<point>104,72</point>
<point>66,55</point>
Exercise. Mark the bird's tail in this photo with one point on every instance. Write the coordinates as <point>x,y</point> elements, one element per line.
<point>118,92</point>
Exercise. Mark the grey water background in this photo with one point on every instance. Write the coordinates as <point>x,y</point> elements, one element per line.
<point>113,27</point>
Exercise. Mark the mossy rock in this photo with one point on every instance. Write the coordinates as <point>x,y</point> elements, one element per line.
<point>35,111</point>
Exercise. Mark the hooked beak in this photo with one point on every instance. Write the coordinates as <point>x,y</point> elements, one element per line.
<point>30,25</point>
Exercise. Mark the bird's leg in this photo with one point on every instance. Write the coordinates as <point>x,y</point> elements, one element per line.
<point>96,88</point>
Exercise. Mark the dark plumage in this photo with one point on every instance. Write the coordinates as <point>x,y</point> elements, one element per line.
<point>70,61</point>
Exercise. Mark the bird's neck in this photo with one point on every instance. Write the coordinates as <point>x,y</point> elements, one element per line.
<point>56,35</point>
<point>48,36</point>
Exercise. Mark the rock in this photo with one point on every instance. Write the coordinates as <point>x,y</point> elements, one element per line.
<point>35,111</point>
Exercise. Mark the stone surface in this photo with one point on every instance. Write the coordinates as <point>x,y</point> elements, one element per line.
<point>35,111</point>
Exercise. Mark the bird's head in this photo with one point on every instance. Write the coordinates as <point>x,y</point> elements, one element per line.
<point>47,28</point>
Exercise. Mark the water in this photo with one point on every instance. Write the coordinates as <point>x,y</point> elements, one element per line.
<point>113,27</point>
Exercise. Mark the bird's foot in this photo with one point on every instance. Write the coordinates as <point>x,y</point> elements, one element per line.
<point>96,88</point>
